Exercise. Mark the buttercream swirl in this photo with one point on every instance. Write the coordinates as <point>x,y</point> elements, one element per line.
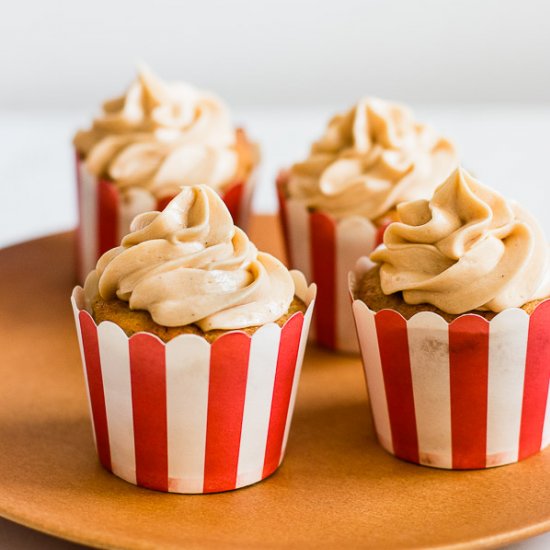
<point>465,249</point>
<point>161,136</point>
<point>369,159</point>
<point>190,264</point>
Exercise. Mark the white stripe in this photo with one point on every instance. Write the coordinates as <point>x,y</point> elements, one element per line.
<point>297,372</point>
<point>115,369</point>
<point>262,365</point>
<point>368,341</point>
<point>507,352</point>
<point>76,312</point>
<point>88,227</point>
<point>132,202</point>
<point>546,429</point>
<point>187,377</point>
<point>298,235</point>
<point>355,237</point>
<point>428,338</point>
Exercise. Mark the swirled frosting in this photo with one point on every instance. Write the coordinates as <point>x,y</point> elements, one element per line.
<point>465,249</point>
<point>369,159</point>
<point>190,264</point>
<point>161,136</point>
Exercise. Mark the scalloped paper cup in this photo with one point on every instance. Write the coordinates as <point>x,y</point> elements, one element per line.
<point>188,416</point>
<point>326,250</point>
<point>105,214</point>
<point>467,394</point>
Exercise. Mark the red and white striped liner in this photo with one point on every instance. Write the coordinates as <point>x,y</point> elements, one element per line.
<point>467,394</point>
<point>105,215</point>
<point>188,416</point>
<point>326,250</point>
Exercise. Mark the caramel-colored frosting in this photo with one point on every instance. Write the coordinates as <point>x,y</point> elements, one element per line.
<point>371,158</point>
<point>190,264</point>
<point>161,136</point>
<point>465,249</point>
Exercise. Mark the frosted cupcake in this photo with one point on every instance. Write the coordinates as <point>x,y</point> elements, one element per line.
<point>454,327</point>
<point>143,147</point>
<point>192,343</point>
<point>336,204</point>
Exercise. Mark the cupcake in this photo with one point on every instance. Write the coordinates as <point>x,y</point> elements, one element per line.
<point>454,327</point>
<point>143,147</point>
<point>335,205</point>
<point>192,343</point>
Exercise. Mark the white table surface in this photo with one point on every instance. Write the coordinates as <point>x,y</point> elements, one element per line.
<point>507,147</point>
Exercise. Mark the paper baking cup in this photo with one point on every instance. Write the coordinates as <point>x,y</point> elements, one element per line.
<point>467,394</point>
<point>188,416</point>
<point>105,214</point>
<point>326,250</point>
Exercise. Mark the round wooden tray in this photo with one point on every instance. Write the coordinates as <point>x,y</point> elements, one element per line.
<point>336,487</point>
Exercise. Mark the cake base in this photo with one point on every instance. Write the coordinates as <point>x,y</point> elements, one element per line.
<point>132,321</point>
<point>369,291</point>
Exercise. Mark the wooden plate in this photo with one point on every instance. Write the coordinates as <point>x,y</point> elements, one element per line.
<point>336,488</point>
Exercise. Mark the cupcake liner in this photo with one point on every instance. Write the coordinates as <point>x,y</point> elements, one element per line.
<point>188,416</point>
<point>467,394</point>
<point>326,250</point>
<point>105,214</point>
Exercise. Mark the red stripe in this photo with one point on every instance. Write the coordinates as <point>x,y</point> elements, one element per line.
<point>162,203</point>
<point>469,379</point>
<point>535,387</point>
<point>78,239</point>
<point>95,387</point>
<point>393,343</point>
<point>233,199</point>
<point>107,216</point>
<point>226,393</point>
<point>282,179</point>
<point>323,263</point>
<point>148,379</point>
<point>282,389</point>
<point>380,232</point>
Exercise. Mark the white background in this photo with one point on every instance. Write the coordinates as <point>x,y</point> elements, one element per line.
<point>479,70</point>
<point>70,53</point>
